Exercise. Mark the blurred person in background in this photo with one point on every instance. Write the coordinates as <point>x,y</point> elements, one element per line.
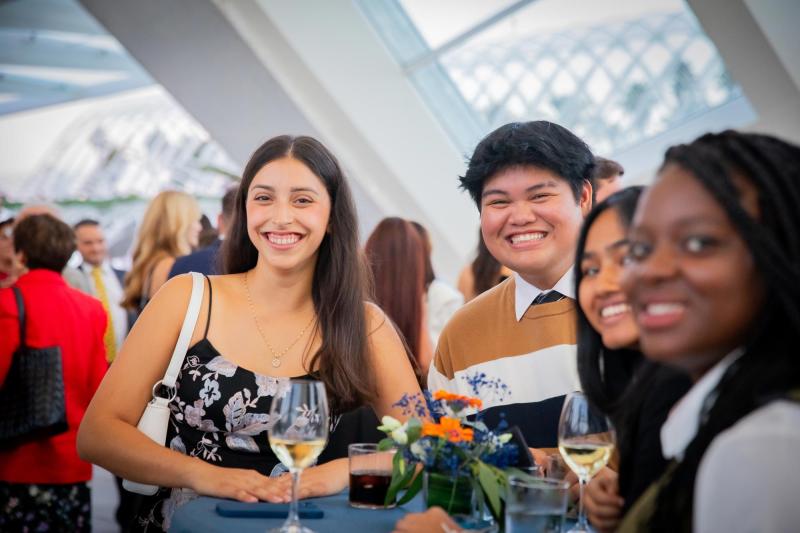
<point>482,274</point>
<point>396,255</point>
<point>606,178</point>
<point>208,233</point>
<point>99,279</point>
<point>10,268</point>
<point>171,228</point>
<point>205,260</point>
<point>7,261</point>
<point>442,299</point>
<point>43,484</point>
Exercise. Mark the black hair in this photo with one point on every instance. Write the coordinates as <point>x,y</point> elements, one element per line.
<point>601,387</point>
<point>85,222</point>
<point>611,379</point>
<point>539,144</point>
<point>768,368</point>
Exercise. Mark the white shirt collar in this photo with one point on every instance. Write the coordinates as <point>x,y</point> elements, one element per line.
<point>684,420</point>
<point>105,266</point>
<point>525,293</point>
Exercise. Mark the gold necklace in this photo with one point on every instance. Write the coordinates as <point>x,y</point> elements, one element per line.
<point>276,356</point>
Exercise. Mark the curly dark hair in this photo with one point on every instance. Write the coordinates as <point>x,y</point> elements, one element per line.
<point>540,144</point>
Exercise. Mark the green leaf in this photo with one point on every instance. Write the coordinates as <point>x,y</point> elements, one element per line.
<point>401,476</point>
<point>490,483</point>
<point>386,444</point>
<point>412,490</point>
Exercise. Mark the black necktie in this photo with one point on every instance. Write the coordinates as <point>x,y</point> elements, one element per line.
<point>547,297</point>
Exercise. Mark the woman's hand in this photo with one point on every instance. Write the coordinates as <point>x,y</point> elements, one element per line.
<point>238,484</point>
<point>434,519</point>
<point>322,480</point>
<point>602,501</point>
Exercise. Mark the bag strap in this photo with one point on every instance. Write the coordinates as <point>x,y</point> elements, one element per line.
<point>21,312</point>
<point>189,321</point>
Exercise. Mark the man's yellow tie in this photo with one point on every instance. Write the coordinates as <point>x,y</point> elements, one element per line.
<point>109,338</point>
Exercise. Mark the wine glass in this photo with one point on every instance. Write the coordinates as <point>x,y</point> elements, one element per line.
<point>298,435</point>
<point>585,440</point>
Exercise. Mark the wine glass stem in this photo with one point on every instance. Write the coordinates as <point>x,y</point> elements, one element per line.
<point>581,511</point>
<point>294,517</point>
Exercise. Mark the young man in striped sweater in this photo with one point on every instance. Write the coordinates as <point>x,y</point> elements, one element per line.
<point>531,183</point>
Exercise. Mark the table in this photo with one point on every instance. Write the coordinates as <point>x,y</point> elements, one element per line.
<point>200,516</point>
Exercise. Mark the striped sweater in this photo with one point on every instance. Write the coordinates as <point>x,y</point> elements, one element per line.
<point>534,357</point>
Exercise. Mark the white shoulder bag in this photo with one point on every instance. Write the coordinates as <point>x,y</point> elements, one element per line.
<point>155,419</point>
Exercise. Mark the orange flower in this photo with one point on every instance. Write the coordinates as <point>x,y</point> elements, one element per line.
<point>449,428</point>
<point>451,397</point>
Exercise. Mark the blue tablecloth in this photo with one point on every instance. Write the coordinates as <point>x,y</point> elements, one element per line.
<point>200,516</point>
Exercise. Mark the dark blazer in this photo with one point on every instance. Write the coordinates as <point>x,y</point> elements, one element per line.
<point>203,260</point>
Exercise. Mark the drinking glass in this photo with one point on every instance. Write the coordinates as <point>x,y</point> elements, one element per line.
<point>298,435</point>
<point>535,504</point>
<point>585,440</point>
<point>370,475</point>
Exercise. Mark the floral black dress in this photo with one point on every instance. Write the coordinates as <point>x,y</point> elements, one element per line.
<point>220,415</point>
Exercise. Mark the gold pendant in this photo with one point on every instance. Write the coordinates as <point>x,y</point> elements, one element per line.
<point>276,362</point>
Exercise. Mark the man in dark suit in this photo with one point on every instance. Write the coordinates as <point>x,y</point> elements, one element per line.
<point>204,260</point>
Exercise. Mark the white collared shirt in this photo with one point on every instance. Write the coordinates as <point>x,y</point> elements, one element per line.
<point>526,292</point>
<point>114,292</point>
<point>747,479</point>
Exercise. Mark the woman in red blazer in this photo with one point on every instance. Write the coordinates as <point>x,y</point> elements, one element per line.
<point>43,483</point>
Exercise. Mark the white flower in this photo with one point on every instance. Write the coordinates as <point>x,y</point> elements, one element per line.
<point>504,438</point>
<point>399,435</point>
<point>389,424</point>
<point>418,451</point>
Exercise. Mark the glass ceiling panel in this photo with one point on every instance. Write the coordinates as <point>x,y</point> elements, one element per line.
<point>461,15</point>
<point>616,72</point>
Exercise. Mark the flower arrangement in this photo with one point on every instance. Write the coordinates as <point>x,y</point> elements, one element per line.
<point>449,446</point>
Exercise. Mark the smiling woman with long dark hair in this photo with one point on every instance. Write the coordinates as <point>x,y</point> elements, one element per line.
<point>291,304</point>
<point>715,286</point>
<point>635,393</point>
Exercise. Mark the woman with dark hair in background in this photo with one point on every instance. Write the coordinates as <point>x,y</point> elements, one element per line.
<point>43,483</point>
<point>636,394</point>
<point>292,304</point>
<point>442,299</point>
<point>396,254</point>
<point>714,282</point>
<point>482,274</point>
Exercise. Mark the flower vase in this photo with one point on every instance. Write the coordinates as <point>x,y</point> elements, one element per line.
<point>454,494</point>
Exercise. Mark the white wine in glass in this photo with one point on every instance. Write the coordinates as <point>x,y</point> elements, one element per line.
<point>586,441</point>
<point>299,434</point>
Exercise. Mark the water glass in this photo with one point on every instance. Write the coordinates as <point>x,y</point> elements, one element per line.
<point>370,475</point>
<point>536,505</point>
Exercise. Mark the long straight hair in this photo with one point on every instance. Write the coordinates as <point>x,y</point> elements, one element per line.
<point>769,367</point>
<point>338,286</point>
<point>396,256</point>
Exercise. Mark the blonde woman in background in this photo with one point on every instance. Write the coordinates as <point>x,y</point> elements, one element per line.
<point>171,228</point>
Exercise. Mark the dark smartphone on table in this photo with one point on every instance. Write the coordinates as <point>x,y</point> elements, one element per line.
<point>524,457</point>
<point>307,510</point>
